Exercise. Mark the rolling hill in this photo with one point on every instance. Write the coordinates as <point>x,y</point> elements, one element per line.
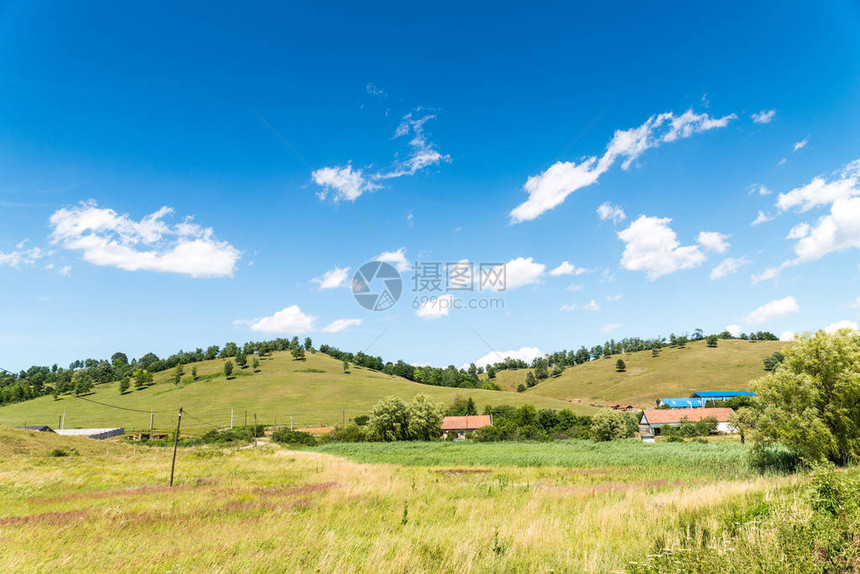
<point>732,365</point>
<point>314,392</point>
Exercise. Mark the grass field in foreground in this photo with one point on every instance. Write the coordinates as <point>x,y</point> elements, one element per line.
<point>731,366</point>
<point>313,392</point>
<point>268,509</point>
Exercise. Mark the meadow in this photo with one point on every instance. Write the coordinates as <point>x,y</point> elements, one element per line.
<point>568,506</point>
<point>313,392</point>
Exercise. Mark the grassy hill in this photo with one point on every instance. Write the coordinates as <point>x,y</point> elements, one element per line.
<point>732,365</point>
<point>313,392</point>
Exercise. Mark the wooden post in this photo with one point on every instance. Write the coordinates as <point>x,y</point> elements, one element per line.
<point>255,429</point>
<point>246,417</point>
<point>231,418</point>
<point>151,419</point>
<point>175,444</point>
<point>274,428</point>
<point>344,418</point>
<point>63,424</point>
<point>60,420</point>
<point>291,423</point>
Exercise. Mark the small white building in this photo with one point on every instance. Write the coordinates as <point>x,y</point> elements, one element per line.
<point>98,434</point>
<point>653,420</point>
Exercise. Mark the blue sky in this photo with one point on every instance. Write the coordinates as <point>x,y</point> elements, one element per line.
<point>637,143</point>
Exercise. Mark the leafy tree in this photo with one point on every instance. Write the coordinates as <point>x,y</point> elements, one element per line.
<point>810,403</point>
<point>211,352</point>
<point>194,373</point>
<point>491,372</point>
<point>242,360</point>
<point>610,425</point>
<point>346,366</point>
<point>83,384</point>
<point>298,353</point>
<point>309,344</point>
<point>389,420</point>
<point>119,359</point>
<point>255,363</point>
<point>124,384</point>
<point>228,368</point>
<point>142,378</point>
<point>655,353</point>
<point>530,379</point>
<point>712,340</point>
<point>620,366</point>
<point>425,418</point>
<point>773,361</point>
<point>557,371</point>
<point>177,374</point>
<point>462,407</point>
<point>521,388</point>
<point>541,369</point>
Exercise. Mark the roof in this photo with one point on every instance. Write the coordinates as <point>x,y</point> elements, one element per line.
<point>466,423</point>
<point>680,402</point>
<point>667,416</point>
<point>39,428</point>
<point>714,394</point>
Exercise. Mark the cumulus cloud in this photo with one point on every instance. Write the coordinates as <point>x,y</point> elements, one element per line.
<point>567,268</point>
<point>769,273</point>
<point>821,191</point>
<point>527,354</point>
<point>801,144</point>
<point>728,266</point>
<point>288,321</point>
<point>734,330</point>
<point>609,211</point>
<point>714,241</point>
<point>551,187</point>
<point>436,307</point>
<point>341,325</point>
<point>652,246</point>
<point>774,310</point>
<point>20,256</point>
<point>397,258</point>
<point>519,272</point>
<point>786,336</point>
<point>333,279</point>
<point>764,116</point>
<point>346,183</point>
<point>349,184</point>
<point>844,324</point>
<point>108,238</point>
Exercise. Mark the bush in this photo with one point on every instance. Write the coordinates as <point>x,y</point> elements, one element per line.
<point>350,433</point>
<point>361,420</point>
<point>286,436</point>
<point>611,425</point>
<point>773,458</point>
<point>674,438</point>
<point>58,452</point>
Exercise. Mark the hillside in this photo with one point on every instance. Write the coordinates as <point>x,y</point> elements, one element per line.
<point>313,392</point>
<point>732,365</point>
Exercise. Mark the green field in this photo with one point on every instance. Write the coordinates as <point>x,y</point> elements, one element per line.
<point>474,508</point>
<point>314,392</point>
<point>732,365</point>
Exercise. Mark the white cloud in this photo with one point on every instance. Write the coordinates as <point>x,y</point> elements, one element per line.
<point>734,330</point>
<point>614,297</point>
<point>374,90</point>
<point>288,321</point>
<point>341,325</point>
<point>65,271</point>
<point>347,183</point>
<point>551,187</point>
<point>769,273</point>
<point>398,258</point>
<point>609,211</point>
<point>436,307</point>
<point>575,287</point>
<point>422,152</point>
<point>567,268</point>
<point>821,191</point>
<point>764,116</point>
<point>728,266</point>
<point>786,336</point>
<point>762,190</point>
<point>521,271</point>
<point>333,279</point>
<point>21,256</point>
<point>611,327</point>
<point>837,231</point>
<point>781,162</point>
<point>591,306</point>
<point>568,307</point>
<point>761,218</point>
<point>652,246</point>
<point>772,311</point>
<point>714,241</point>
<point>801,144</point>
<point>108,238</point>
<point>799,231</point>
<point>527,354</point>
<point>844,324</point>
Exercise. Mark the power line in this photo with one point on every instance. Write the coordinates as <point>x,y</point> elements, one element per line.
<point>186,413</point>
<point>121,408</point>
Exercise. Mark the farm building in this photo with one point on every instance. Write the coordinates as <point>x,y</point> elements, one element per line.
<point>37,428</point>
<point>681,403</point>
<point>719,396</point>
<point>653,420</point>
<point>98,434</point>
<point>464,424</point>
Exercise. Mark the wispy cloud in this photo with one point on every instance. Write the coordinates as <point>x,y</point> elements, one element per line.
<point>801,144</point>
<point>337,277</point>
<point>764,116</point>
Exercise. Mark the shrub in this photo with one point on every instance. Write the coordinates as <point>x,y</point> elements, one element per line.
<point>58,452</point>
<point>610,425</point>
<point>286,436</point>
<point>773,458</point>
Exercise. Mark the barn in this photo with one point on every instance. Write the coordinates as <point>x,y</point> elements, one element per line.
<point>98,434</point>
<point>653,420</point>
<point>681,403</point>
<point>720,396</point>
<point>464,424</point>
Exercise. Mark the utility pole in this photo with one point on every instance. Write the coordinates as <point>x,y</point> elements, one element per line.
<point>291,423</point>
<point>246,417</point>
<point>274,428</point>
<point>151,419</point>
<point>255,429</point>
<point>60,420</point>
<point>231,418</point>
<point>175,444</point>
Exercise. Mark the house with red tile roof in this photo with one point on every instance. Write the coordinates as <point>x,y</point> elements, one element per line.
<point>464,424</point>
<point>653,420</point>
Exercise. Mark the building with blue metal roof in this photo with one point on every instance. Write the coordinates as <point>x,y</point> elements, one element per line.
<point>681,403</point>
